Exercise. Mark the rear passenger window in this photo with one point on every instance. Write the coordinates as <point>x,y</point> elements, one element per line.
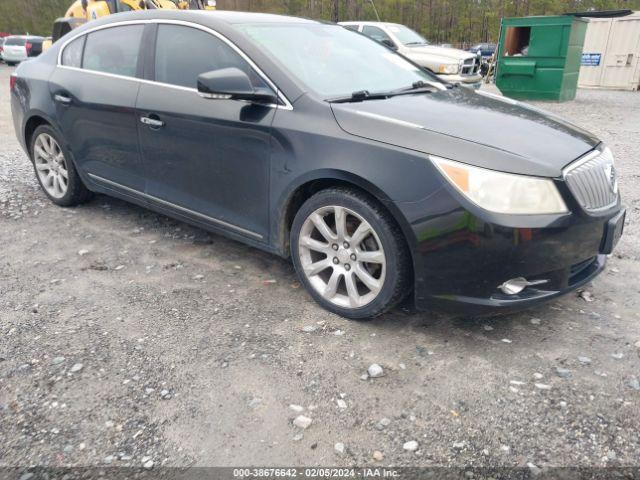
<point>72,54</point>
<point>113,50</point>
<point>183,53</point>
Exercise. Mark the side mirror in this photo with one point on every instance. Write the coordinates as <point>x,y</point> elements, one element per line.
<point>232,84</point>
<point>388,43</point>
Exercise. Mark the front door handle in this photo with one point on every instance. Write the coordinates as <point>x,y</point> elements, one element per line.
<point>61,98</point>
<point>152,122</point>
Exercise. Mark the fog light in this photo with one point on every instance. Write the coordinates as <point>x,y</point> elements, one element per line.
<point>516,285</point>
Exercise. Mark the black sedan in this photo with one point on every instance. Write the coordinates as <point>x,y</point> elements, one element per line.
<point>313,142</point>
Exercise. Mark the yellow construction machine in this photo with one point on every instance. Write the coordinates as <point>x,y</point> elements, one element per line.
<point>82,11</point>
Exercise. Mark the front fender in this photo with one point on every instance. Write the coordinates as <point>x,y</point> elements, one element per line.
<point>341,177</point>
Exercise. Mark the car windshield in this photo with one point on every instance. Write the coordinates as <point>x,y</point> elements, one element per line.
<point>407,36</point>
<point>15,41</point>
<point>333,61</point>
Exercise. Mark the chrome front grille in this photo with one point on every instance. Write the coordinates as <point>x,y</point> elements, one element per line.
<point>593,181</point>
<point>469,67</point>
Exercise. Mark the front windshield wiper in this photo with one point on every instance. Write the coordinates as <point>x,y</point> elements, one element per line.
<point>416,43</point>
<point>358,96</point>
<point>362,95</point>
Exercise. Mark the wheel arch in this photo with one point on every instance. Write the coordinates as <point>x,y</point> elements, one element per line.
<point>307,185</point>
<point>32,122</point>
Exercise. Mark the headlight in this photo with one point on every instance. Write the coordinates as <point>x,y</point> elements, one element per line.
<point>502,192</point>
<point>449,68</point>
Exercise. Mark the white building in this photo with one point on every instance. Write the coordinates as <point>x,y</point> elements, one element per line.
<point>611,53</point>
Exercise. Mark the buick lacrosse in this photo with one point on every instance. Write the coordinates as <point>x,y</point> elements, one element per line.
<point>313,142</point>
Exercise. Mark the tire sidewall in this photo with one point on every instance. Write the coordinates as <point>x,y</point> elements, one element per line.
<point>67,198</point>
<point>382,229</point>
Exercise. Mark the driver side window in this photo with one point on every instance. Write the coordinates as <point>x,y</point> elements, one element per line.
<point>376,33</point>
<point>183,53</point>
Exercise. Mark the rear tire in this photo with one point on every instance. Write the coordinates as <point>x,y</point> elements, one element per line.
<point>55,170</point>
<point>350,254</point>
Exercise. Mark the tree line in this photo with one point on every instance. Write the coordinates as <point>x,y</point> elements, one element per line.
<point>459,22</point>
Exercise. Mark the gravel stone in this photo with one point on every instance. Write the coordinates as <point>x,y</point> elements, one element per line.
<point>76,368</point>
<point>410,446</point>
<point>375,371</point>
<point>302,422</point>
<point>563,372</point>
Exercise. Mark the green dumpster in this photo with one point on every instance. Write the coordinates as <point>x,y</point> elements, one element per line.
<point>539,57</point>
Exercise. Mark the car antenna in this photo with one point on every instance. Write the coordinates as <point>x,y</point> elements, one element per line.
<point>375,10</point>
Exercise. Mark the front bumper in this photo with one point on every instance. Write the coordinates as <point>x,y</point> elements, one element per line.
<point>567,280</point>
<point>472,81</point>
<point>461,257</point>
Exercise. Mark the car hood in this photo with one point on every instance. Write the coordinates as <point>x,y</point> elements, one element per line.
<point>452,54</point>
<point>477,128</point>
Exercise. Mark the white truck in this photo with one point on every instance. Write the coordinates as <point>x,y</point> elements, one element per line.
<point>450,64</point>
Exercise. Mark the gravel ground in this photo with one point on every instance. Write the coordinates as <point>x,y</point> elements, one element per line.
<point>128,338</point>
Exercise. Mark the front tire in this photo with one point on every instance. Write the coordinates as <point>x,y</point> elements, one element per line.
<point>55,170</point>
<point>349,254</point>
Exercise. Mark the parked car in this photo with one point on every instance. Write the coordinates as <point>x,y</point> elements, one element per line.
<point>486,50</point>
<point>1,48</point>
<point>18,48</point>
<point>450,64</point>
<point>303,139</point>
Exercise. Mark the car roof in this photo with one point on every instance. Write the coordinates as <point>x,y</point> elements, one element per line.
<point>206,17</point>
<point>376,24</point>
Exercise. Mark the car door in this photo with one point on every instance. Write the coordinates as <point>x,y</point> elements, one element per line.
<point>205,159</point>
<point>95,90</point>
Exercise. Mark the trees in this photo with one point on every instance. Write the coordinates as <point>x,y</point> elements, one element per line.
<point>31,16</point>
<point>451,21</point>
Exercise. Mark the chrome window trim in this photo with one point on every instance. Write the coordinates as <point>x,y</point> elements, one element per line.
<point>287,104</point>
<point>173,205</point>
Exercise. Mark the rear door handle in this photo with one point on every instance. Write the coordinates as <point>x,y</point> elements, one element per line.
<point>60,98</point>
<point>152,122</point>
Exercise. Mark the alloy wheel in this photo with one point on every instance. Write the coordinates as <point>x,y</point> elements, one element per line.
<point>51,166</point>
<point>342,256</point>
